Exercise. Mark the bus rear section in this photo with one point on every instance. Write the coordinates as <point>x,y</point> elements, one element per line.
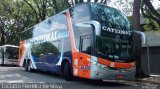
<point>89,40</point>
<point>9,55</point>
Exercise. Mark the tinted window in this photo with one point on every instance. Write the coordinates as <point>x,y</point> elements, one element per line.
<point>57,22</point>
<point>12,52</point>
<point>115,49</point>
<point>45,48</point>
<point>86,45</point>
<point>66,45</point>
<point>80,13</point>
<point>9,52</point>
<point>109,17</point>
<point>81,31</point>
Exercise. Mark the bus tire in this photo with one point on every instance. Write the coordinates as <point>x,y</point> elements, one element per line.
<point>67,72</point>
<point>28,67</point>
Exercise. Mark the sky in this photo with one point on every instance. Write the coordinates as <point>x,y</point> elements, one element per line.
<point>156,3</point>
<point>115,4</point>
<point>124,5</point>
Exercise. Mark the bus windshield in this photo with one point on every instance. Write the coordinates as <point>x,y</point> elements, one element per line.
<point>114,49</point>
<point>11,52</point>
<point>115,41</point>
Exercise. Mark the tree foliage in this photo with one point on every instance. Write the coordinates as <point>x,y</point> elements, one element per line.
<point>45,8</point>
<point>18,15</point>
<point>74,2</point>
<point>151,14</point>
<point>12,20</point>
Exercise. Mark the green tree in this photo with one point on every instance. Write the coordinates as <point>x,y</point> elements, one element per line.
<point>45,8</point>
<point>74,2</point>
<point>149,11</point>
<point>15,17</point>
<point>151,15</point>
<point>18,15</point>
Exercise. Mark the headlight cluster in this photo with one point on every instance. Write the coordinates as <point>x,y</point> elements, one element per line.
<point>111,68</point>
<point>98,64</point>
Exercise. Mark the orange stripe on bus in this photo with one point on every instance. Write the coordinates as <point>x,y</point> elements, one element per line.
<point>21,51</point>
<point>75,54</point>
<point>70,30</point>
<point>116,64</point>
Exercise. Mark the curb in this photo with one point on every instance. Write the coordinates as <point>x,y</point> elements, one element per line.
<point>148,81</point>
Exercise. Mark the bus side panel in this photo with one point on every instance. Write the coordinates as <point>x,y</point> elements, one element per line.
<point>49,55</point>
<point>84,65</point>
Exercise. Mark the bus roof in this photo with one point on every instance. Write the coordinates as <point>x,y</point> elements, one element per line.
<point>8,45</point>
<point>63,11</point>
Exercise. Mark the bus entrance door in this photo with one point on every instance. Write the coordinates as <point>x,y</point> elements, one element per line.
<point>84,57</point>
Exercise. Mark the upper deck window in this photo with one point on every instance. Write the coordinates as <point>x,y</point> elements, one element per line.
<point>58,22</point>
<point>80,13</point>
<point>109,17</point>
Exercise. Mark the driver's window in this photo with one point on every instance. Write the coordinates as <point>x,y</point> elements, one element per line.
<point>86,45</point>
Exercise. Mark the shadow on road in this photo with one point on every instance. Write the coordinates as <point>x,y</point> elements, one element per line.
<point>19,75</point>
<point>98,82</point>
<point>78,80</point>
<point>9,65</point>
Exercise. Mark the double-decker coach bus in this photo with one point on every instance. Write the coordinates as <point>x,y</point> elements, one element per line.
<point>89,40</point>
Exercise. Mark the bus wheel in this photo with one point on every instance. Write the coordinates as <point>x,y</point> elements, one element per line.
<point>67,72</point>
<point>28,67</point>
<point>1,62</point>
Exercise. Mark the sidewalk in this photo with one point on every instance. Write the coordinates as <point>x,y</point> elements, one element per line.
<point>151,79</point>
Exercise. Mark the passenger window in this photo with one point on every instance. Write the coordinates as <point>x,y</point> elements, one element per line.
<point>45,48</point>
<point>56,47</point>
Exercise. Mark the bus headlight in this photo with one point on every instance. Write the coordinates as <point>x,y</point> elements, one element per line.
<point>129,69</point>
<point>98,64</point>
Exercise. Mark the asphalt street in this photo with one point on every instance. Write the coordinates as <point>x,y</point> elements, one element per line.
<point>17,75</point>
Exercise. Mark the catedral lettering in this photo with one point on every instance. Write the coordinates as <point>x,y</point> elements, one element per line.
<point>48,37</point>
<point>116,30</point>
<point>71,46</point>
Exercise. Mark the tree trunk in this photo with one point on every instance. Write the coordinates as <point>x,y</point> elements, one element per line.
<point>136,26</point>
<point>2,39</point>
<point>136,15</point>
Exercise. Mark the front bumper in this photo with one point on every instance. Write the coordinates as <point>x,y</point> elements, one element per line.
<point>101,72</point>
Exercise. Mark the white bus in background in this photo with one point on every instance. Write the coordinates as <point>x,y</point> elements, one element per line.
<point>9,54</point>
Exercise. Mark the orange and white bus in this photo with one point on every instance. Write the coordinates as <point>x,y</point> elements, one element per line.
<point>89,40</point>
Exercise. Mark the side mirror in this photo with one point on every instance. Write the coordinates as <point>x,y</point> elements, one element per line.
<point>143,36</point>
<point>96,25</point>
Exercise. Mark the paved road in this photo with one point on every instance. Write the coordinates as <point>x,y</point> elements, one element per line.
<point>13,75</point>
